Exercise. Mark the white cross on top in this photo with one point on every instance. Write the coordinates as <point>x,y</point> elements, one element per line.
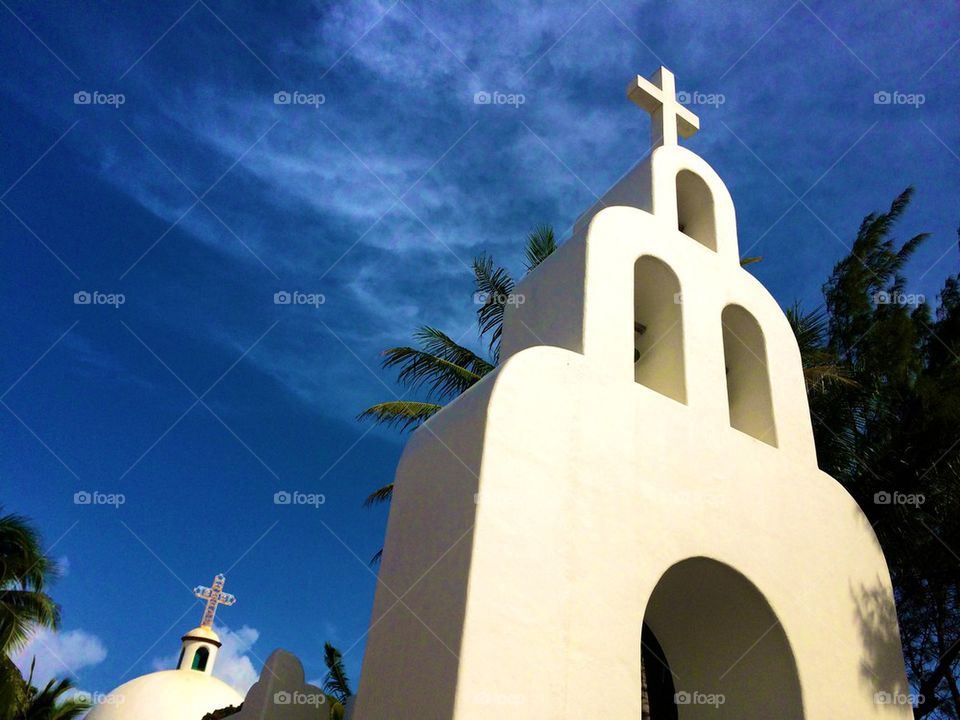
<point>658,96</point>
<point>214,596</point>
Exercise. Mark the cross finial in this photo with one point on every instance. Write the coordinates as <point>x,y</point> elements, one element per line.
<point>214,597</point>
<point>658,96</point>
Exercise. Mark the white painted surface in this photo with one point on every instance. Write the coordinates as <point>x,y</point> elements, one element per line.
<point>166,695</point>
<point>591,486</point>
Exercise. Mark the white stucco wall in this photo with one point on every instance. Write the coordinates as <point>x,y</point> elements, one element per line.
<point>591,486</point>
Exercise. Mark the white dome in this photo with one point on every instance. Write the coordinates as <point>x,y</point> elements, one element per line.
<point>166,695</point>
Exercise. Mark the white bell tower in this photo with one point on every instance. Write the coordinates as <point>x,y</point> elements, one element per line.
<point>199,647</point>
<point>640,465</point>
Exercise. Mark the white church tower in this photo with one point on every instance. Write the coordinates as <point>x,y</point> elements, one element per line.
<point>633,495</point>
<point>190,691</point>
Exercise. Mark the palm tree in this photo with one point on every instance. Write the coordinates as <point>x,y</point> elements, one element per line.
<point>336,685</point>
<point>25,571</point>
<point>49,703</point>
<point>442,367</point>
<point>821,367</point>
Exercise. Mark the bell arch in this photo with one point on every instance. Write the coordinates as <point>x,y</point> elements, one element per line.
<point>658,328</point>
<point>200,659</point>
<point>748,378</point>
<point>722,644</point>
<point>696,215</point>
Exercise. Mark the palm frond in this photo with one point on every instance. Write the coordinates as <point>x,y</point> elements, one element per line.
<point>541,244</point>
<point>440,365</point>
<point>494,288</point>
<point>336,682</point>
<point>438,343</point>
<point>380,495</point>
<point>402,414</point>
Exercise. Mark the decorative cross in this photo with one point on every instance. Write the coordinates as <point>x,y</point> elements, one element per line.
<point>214,596</point>
<point>658,96</point>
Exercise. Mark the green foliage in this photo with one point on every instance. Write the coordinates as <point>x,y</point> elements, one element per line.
<point>336,682</point>
<point>883,377</point>
<point>541,244</point>
<point>25,571</point>
<point>49,703</point>
<point>223,712</point>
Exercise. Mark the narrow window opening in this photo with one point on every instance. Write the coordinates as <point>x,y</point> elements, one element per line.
<point>748,378</point>
<point>658,329</point>
<point>695,211</point>
<point>200,659</point>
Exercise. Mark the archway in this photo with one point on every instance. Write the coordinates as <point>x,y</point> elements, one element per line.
<point>658,328</point>
<point>695,210</point>
<point>723,645</point>
<point>748,377</point>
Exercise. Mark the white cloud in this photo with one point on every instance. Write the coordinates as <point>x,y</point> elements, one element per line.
<point>234,664</point>
<point>59,654</point>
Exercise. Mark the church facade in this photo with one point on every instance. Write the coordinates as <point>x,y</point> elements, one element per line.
<point>633,498</point>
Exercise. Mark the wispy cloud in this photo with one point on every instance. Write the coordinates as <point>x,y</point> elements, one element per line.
<point>61,654</point>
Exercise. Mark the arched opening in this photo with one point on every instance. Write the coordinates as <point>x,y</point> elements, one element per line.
<point>695,211</point>
<point>200,659</point>
<point>748,378</point>
<point>723,646</point>
<point>658,329</point>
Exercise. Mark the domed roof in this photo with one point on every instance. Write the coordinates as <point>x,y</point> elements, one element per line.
<point>166,695</point>
<point>205,633</point>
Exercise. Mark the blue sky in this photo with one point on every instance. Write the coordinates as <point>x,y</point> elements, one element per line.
<point>198,198</point>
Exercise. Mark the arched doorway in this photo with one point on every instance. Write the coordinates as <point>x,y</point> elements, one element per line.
<point>722,644</point>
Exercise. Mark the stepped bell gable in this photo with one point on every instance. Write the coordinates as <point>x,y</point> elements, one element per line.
<point>632,498</point>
